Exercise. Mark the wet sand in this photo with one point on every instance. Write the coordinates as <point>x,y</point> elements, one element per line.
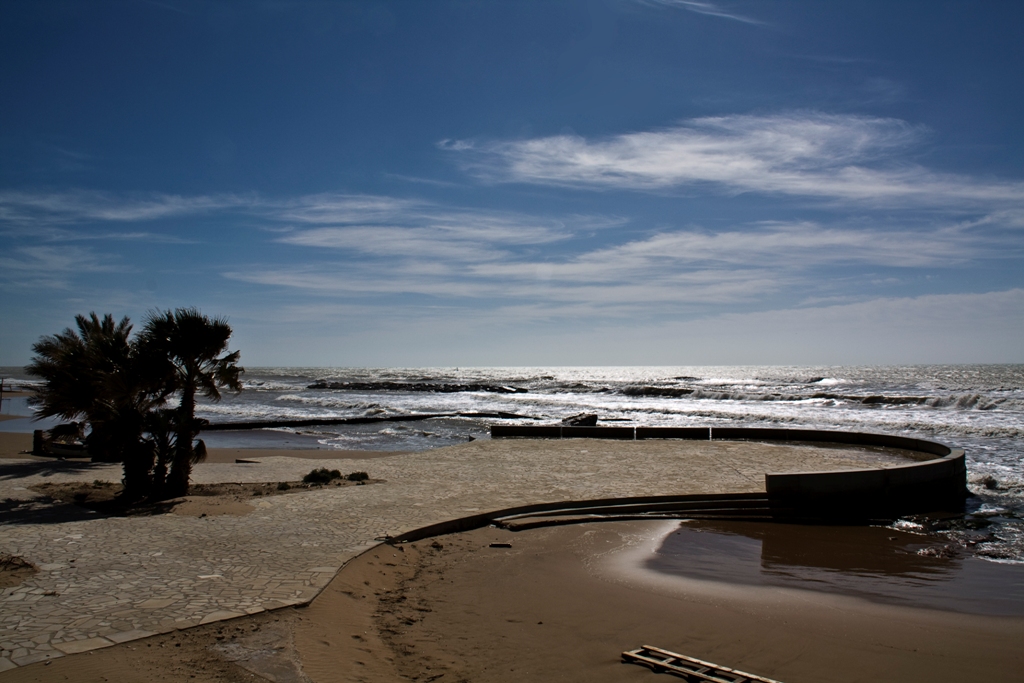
<point>550,609</point>
<point>556,606</point>
<point>15,445</point>
<point>232,454</point>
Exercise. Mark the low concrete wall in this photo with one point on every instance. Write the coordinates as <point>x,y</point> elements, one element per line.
<point>937,482</point>
<point>920,487</point>
<point>526,432</point>
<point>484,518</point>
<point>690,433</point>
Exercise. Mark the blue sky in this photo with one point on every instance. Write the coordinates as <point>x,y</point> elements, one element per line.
<point>624,182</point>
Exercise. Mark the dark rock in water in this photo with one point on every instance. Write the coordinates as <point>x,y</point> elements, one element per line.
<point>669,392</point>
<point>432,387</point>
<point>581,420</point>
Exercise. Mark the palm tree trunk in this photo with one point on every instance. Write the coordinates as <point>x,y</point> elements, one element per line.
<point>138,464</point>
<point>181,467</point>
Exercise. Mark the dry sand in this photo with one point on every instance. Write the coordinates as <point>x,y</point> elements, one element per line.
<point>550,609</point>
<point>15,445</point>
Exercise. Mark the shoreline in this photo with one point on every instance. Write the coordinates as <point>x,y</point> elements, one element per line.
<point>13,445</point>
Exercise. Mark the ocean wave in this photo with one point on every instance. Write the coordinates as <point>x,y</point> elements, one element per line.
<point>270,385</point>
<point>826,381</point>
<point>973,401</point>
<point>329,401</point>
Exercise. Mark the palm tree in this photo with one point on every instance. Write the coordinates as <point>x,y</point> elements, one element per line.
<point>192,345</point>
<point>72,364</point>
<point>160,426</point>
<point>99,374</point>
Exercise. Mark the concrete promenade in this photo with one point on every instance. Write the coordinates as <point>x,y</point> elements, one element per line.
<point>105,580</point>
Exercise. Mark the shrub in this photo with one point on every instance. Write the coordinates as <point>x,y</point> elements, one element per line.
<point>283,486</point>
<point>321,476</point>
<point>358,476</point>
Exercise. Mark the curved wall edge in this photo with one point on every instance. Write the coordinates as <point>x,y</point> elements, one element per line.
<point>936,482</point>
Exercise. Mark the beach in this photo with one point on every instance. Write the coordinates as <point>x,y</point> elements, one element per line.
<point>247,578</point>
<point>451,603</point>
<point>552,608</point>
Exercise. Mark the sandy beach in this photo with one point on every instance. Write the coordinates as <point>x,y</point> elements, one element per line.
<point>552,608</point>
<point>561,603</point>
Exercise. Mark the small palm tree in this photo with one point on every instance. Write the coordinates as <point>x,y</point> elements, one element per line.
<point>73,364</point>
<point>160,429</point>
<point>191,344</point>
<point>98,373</point>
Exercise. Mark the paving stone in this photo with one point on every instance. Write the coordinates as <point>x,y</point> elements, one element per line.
<point>220,615</point>
<point>134,634</point>
<point>37,656</point>
<point>84,645</point>
<point>156,603</point>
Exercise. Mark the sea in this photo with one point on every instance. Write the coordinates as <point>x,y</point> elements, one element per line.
<point>979,408</point>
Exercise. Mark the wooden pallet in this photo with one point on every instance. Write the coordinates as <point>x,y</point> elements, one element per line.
<point>688,668</point>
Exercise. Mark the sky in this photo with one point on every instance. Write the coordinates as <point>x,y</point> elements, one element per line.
<point>549,182</point>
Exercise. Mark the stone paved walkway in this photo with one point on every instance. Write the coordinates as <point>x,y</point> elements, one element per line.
<point>109,580</point>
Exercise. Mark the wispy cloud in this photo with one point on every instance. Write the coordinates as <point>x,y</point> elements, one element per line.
<point>836,157</point>
<point>706,8</point>
<point>81,206</point>
<point>667,271</point>
<point>53,266</point>
<point>392,229</point>
<point>337,208</point>
<point>376,247</point>
<point>784,246</point>
<point>437,233</point>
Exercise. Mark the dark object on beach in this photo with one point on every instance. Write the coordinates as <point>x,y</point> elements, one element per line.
<point>46,443</point>
<point>283,486</point>
<point>688,668</point>
<point>321,475</point>
<point>581,420</point>
<point>501,545</point>
<point>358,476</point>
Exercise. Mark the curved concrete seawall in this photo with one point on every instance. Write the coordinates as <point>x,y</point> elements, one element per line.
<point>936,481</point>
<point>933,485</point>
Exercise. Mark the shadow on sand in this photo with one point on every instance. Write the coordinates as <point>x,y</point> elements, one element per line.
<point>46,467</point>
<point>44,510</point>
